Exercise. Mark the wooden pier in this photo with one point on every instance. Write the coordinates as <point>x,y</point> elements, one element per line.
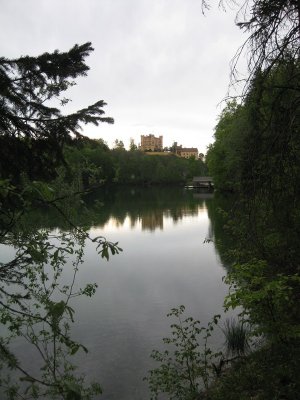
<point>202,182</point>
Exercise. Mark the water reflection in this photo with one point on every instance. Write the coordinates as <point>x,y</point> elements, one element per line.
<point>146,205</point>
<point>151,220</point>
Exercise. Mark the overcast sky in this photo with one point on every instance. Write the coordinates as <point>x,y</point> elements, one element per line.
<point>160,65</point>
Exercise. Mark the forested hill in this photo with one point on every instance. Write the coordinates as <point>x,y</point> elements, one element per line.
<point>93,163</point>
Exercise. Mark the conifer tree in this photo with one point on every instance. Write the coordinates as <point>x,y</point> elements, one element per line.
<point>32,130</point>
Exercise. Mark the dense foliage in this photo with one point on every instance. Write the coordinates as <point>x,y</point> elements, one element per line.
<point>32,130</point>
<point>95,164</point>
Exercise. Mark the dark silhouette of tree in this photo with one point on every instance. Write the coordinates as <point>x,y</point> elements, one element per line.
<point>119,145</point>
<point>132,146</point>
<point>32,130</point>
<point>274,28</point>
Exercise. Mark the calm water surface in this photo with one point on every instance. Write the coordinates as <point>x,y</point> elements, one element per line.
<point>164,263</point>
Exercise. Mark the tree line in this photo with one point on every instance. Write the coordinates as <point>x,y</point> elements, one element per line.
<point>94,164</point>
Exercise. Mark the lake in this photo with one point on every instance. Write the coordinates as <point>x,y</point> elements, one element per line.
<point>165,263</point>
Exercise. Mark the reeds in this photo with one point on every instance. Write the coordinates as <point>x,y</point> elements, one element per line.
<point>236,337</point>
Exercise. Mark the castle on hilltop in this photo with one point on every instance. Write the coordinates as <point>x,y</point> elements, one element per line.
<point>155,144</point>
<point>185,152</point>
<point>151,143</point>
